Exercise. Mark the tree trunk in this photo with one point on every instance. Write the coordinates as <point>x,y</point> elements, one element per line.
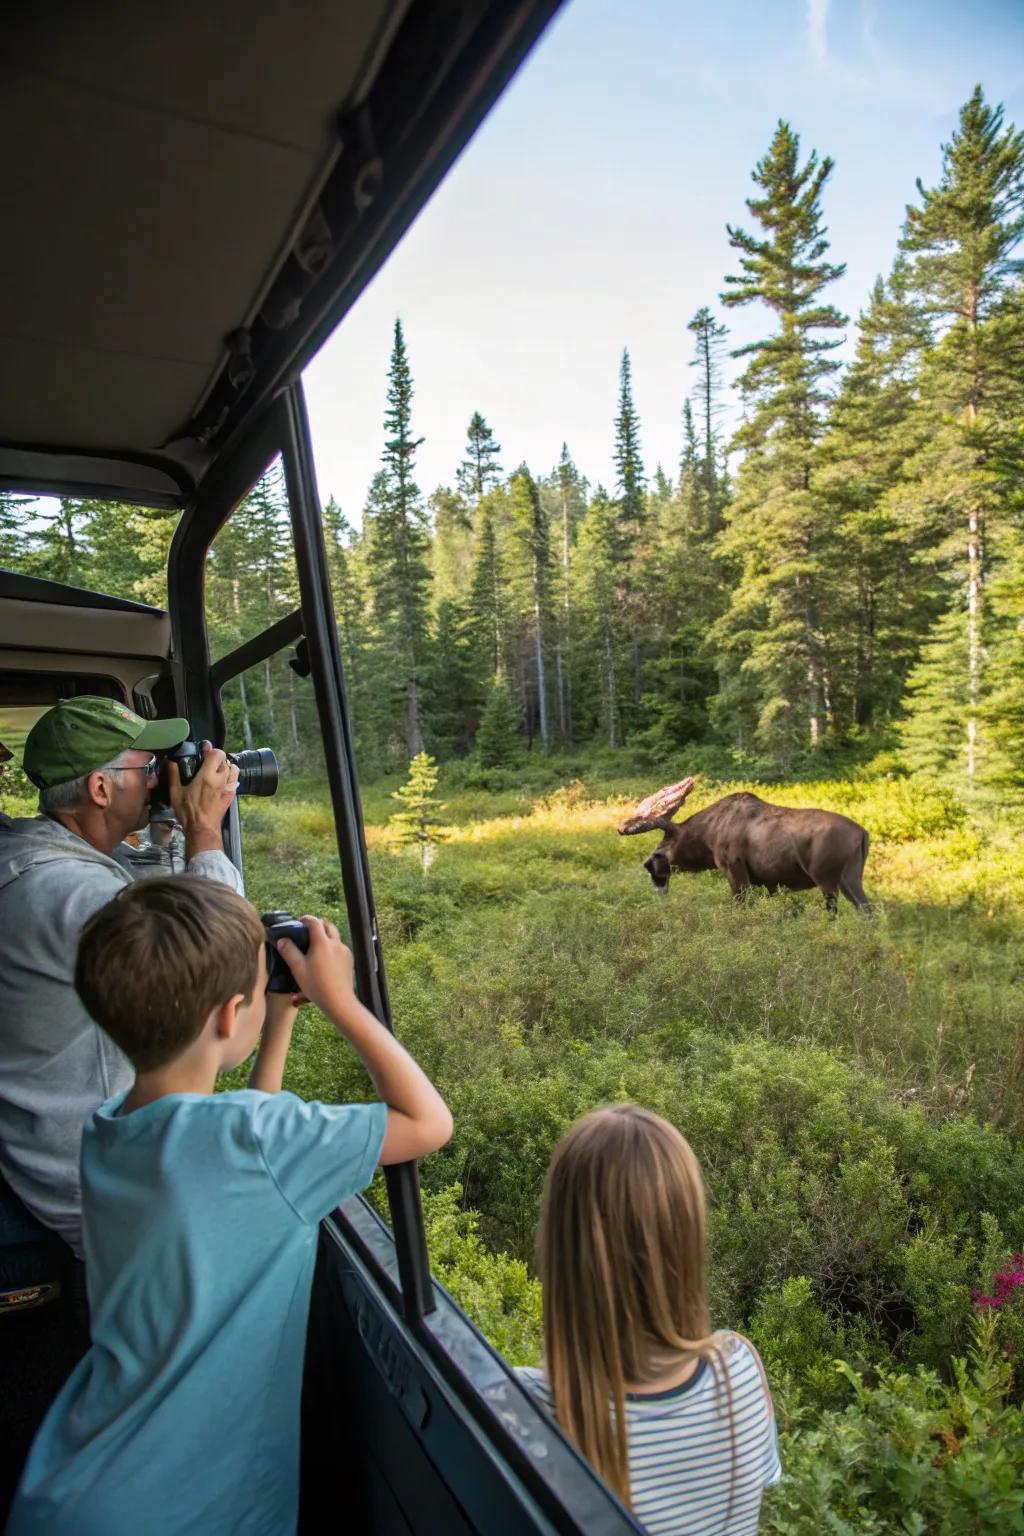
<point>560,691</point>
<point>564,685</point>
<point>293,719</point>
<point>246,722</point>
<point>268,685</point>
<point>974,575</point>
<point>413,733</point>
<point>542,693</point>
<point>610,681</point>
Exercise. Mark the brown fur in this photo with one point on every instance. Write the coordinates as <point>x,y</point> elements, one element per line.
<point>754,843</point>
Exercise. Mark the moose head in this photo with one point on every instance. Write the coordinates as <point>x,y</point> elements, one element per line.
<point>655,815</point>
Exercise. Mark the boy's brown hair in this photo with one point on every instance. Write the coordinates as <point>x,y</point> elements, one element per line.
<point>157,960</point>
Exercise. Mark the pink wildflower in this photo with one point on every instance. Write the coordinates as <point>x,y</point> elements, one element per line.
<point>1004,1283</point>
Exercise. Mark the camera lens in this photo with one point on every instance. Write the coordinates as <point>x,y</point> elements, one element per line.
<point>257,771</point>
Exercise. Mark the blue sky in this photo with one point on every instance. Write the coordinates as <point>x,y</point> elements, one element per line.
<point>589,214</point>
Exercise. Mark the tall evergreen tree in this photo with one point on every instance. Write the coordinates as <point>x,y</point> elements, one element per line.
<point>452,546</point>
<point>629,467</point>
<point>488,596</point>
<point>14,514</point>
<point>961,239</point>
<point>564,494</point>
<point>709,343</point>
<point>774,639</point>
<point>602,622</point>
<point>454,696</point>
<point>479,471</point>
<point>398,569</point>
<point>530,525</point>
<point>60,540</point>
<point>630,522</point>
<point>881,592</point>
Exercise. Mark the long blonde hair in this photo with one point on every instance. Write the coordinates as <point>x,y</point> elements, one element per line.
<point>621,1253</point>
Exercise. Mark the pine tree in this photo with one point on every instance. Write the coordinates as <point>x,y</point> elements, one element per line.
<point>14,514</point>
<point>398,547</point>
<point>416,824</point>
<point>346,563</point>
<point>775,633</point>
<point>453,695</point>
<point>629,468</point>
<point>881,592</point>
<point>564,495</point>
<point>453,545</point>
<point>630,525</point>
<point>1002,714</point>
<point>686,592</point>
<point>59,541</point>
<point>497,742</point>
<point>488,595</point>
<point>961,239</point>
<point>709,343</point>
<point>479,471</point>
<point>604,633</point>
<point>530,526</point>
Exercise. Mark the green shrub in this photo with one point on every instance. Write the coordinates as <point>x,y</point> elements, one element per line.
<point>909,1454</point>
<point>855,1090</point>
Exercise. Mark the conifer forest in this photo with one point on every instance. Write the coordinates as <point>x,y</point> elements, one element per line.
<point>822,599</point>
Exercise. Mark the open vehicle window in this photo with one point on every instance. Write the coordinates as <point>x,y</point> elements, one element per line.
<point>102,546</point>
<point>250,570</point>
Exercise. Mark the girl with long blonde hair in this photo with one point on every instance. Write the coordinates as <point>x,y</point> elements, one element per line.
<point>677,1420</point>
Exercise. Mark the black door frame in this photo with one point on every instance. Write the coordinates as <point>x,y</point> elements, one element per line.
<point>284,430</point>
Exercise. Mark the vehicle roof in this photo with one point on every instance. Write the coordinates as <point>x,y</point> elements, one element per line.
<point>194,194</point>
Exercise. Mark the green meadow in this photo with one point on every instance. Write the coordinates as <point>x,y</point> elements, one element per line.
<point>852,1087</point>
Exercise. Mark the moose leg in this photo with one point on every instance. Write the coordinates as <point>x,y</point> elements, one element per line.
<point>831,901</point>
<point>853,890</point>
<point>738,876</point>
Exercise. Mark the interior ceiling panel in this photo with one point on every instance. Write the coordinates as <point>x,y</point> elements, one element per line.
<point>194,193</point>
<point>141,140</point>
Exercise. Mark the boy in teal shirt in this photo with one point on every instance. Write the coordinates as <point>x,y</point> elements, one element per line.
<point>200,1215</point>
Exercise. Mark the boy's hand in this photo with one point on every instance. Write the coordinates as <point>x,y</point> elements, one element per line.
<point>325,973</point>
<point>282,1008</point>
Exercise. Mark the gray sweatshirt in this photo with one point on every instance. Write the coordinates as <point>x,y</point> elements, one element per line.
<point>56,1065</point>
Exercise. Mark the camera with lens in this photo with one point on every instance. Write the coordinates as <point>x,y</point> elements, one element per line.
<point>258,773</point>
<point>281,925</point>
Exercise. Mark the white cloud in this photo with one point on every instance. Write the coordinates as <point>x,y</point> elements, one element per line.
<point>817,25</point>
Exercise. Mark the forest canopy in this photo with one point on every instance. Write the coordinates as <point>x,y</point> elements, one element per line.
<point>843,573</point>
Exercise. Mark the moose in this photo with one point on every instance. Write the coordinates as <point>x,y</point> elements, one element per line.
<point>754,843</point>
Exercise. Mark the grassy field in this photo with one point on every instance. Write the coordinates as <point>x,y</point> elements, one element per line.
<point>853,1088</point>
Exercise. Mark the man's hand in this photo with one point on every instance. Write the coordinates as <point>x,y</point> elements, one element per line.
<point>325,973</point>
<point>201,806</point>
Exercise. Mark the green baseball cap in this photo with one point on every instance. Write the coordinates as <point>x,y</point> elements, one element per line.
<point>77,736</point>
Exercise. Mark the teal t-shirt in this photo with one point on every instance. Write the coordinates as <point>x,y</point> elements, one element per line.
<point>200,1216</point>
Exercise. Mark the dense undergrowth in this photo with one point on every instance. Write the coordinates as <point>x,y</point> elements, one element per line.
<point>853,1089</point>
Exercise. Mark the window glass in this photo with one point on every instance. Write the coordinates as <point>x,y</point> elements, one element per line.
<point>250,572</point>
<point>104,546</point>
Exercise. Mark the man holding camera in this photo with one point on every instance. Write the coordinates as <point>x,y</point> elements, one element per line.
<point>94,763</point>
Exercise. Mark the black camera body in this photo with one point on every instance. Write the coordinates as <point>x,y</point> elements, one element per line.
<point>258,772</point>
<point>281,925</point>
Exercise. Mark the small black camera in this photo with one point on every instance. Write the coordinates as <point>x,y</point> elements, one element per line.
<point>281,925</point>
<point>258,773</point>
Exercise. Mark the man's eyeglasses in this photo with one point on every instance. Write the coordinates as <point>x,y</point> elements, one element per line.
<point>146,768</point>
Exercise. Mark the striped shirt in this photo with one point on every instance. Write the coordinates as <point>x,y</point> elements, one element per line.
<point>680,1450</point>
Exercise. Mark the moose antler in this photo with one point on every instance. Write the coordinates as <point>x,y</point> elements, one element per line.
<point>655,813</point>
